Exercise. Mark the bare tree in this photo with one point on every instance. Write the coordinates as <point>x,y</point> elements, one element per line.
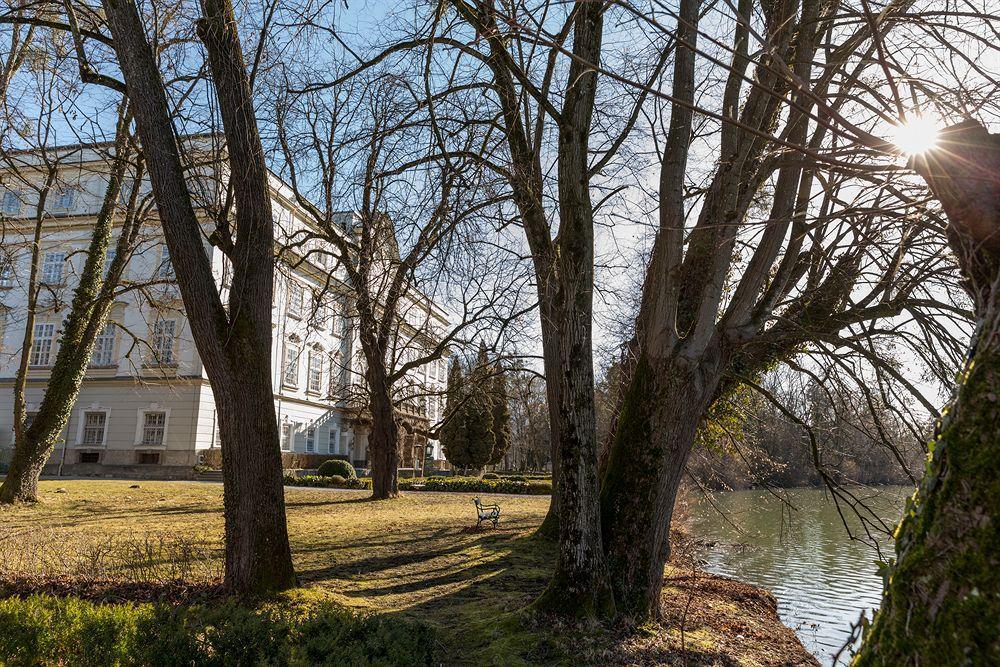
<point>411,236</point>
<point>234,343</point>
<point>92,300</point>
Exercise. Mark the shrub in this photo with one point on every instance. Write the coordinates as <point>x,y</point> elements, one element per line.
<point>337,467</point>
<point>490,475</point>
<point>299,628</point>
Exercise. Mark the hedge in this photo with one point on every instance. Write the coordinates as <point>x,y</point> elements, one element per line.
<point>212,458</point>
<point>296,629</point>
<point>335,482</point>
<point>335,467</point>
<point>538,487</point>
<point>477,485</point>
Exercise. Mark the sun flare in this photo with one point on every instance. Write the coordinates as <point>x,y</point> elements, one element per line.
<point>915,135</point>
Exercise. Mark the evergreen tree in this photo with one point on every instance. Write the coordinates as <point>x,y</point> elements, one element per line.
<point>501,419</point>
<point>453,436</point>
<point>479,414</point>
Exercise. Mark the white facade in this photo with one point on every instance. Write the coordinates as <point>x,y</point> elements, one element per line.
<point>146,399</point>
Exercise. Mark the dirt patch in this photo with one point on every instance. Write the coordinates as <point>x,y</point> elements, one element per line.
<point>742,619</point>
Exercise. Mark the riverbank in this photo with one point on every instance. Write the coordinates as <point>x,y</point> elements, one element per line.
<point>417,559</point>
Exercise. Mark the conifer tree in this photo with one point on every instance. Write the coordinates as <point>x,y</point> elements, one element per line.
<point>453,439</point>
<point>478,410</point>
<point>501,419</point>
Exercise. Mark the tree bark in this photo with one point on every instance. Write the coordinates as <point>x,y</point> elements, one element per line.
<point>236,351</point>
<point>579,585</point>
<point>656,429</point>
<point>383,442</point>
<point>942,594</point>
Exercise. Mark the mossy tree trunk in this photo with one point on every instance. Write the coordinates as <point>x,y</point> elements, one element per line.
<point>656,430</point>
<point>92,299</point>
<point>941,603</point>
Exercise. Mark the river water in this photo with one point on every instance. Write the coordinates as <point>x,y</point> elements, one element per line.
<point>799,549</point>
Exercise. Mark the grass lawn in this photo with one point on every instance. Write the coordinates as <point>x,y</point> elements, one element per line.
<point>419,556</point>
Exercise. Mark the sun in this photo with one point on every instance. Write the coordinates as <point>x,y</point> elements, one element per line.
<point>915,135</point>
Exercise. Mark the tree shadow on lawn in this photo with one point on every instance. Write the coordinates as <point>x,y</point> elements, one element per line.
<point>477,591</point>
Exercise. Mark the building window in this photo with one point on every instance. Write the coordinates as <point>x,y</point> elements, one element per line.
<point>290,374</point>
<point>154,427</point>
<point>162,343</point>
<point>94,424</point>
<point>296,299</point>
<point>333,442</point>
<point>6,272</point>
<point>52,268</point>
<point>89,457</point>
<point>336,376</point>
<point>336,322</point>
<point>286,436</point>
<point>41,345</point>
<point>12,202</point>
<point>311,439</point>
<point>104,347</point>
<point>65,199</point>
<point>147,458</point>
<point>315,371</point>
<point>165,270</point>
<point>109,257</point>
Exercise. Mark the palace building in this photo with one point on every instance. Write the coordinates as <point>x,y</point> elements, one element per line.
<point>146,400</point>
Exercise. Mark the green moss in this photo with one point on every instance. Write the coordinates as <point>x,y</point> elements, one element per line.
<point>942,598</point>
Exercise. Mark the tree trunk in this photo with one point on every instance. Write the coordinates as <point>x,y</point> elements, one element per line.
<point>236,351</point>
<point>660,414</point>
<point>383,444</point>
<point>258,555</point>
<point>21,482</point>
<point>552,362</point>
<point>579,585</point>
<point>942,596</point>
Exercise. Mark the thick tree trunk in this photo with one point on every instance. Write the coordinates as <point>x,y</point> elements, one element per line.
<point>236,351</point>
<point>383,447</point>
<point>660,414</point>
<point>258,555</point>
<point>942,596</point>
<point>579,586</point>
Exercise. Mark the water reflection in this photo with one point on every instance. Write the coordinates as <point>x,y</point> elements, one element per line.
<point>801,552</point>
